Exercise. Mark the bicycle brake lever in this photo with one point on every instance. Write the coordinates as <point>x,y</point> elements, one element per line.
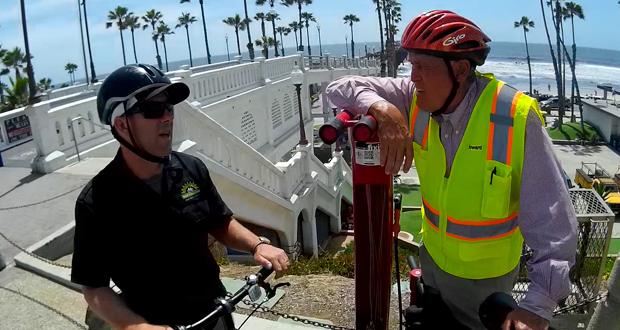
<point>271,292</point>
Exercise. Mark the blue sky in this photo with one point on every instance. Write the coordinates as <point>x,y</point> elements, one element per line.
<point>55,38</point>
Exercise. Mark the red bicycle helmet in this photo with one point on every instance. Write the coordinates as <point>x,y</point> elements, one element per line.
<point>448,35</point>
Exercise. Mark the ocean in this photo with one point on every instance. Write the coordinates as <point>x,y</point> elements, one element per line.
<point>507,60</point>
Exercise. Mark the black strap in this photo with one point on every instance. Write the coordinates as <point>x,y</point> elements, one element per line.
<point>453,90</point>
<point>139,151</point>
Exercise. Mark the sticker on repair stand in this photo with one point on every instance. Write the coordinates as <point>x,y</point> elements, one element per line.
<point>367,154</point>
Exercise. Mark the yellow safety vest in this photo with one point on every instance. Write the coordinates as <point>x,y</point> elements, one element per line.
<point>470,219</point>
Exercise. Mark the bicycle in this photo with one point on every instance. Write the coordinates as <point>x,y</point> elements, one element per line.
<point>225,307</point>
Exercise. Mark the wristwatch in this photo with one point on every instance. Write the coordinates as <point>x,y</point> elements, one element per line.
<point>261,240</point>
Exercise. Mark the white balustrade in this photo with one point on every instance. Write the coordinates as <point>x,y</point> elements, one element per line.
<point>223,147</point>
<point>322,172</point>
<point>280,66</point>
<point>211,86</point>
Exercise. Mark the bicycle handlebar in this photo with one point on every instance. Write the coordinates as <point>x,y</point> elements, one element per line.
<point>227,306</point>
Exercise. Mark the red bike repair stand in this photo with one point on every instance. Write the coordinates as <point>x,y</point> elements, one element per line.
<point>373,219</point>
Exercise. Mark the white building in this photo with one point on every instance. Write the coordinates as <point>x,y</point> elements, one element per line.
<point>605,115</point>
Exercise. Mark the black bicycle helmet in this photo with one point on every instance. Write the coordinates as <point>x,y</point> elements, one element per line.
<point>131,84</point>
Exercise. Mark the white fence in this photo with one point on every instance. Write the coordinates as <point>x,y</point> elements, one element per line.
<point>54,121</point>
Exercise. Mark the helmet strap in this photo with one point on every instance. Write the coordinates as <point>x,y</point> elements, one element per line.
<point>137,150</point>
<point>453,90</point>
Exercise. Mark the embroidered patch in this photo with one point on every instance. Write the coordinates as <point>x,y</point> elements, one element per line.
<point>189,190</point>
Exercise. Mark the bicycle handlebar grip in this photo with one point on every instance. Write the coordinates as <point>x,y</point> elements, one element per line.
<point>412,263</point>
<point>495,308</point>
<point>365,128</point>
<point>263,273</point>
<point>330,131</point>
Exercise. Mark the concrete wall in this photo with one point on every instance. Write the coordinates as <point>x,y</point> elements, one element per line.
<point>607,123</point>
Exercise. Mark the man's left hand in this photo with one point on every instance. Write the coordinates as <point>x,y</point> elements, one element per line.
<point>271,257</point>
<point>521,319</point>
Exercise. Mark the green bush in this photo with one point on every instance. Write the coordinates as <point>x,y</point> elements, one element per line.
<point>343,263</point>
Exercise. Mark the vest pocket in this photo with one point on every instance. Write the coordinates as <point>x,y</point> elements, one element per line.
<point>496,190</point>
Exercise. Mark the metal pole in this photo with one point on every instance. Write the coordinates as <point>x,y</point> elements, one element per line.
<point>606,314</point>
<point>320,45</point>
<point>302,132</point>
<point>77,151</point>
<point>82,40</point>
<point>227,50</point>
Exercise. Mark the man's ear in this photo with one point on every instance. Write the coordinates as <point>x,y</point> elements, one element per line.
<point>462,70</point>
<point>120,124</point>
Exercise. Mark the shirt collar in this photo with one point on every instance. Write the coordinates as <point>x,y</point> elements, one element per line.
<point>466,106</point>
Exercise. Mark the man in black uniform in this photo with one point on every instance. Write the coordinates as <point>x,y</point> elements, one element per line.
<point>143,221</point>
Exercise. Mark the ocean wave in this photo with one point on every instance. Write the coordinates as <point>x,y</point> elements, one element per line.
<point>543,76</point>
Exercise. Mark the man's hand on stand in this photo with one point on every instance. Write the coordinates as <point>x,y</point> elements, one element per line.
<point>396,146</point>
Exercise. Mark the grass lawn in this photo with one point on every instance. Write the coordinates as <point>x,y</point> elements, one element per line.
<point>410,222</point>
<point>614,246</point>
<point>570,131</point>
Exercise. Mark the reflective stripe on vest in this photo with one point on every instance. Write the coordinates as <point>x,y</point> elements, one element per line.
<point>481,230</point>
<point>502,119</point>
<point>431,215</point>
<point>420,126</point>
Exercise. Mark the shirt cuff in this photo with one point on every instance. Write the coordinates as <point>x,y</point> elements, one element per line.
<point>538,304</point>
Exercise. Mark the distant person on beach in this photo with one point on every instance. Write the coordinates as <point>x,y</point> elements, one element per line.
<point>143,221</point>
<point>549,87</point>
<point>488,175</point>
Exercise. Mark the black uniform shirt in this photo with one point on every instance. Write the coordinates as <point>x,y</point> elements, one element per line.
<point>153,245</point>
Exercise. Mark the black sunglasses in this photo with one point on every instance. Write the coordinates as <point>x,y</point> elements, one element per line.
<point>151,110</point>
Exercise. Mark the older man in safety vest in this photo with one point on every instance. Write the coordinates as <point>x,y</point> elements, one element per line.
<point>488,175</point>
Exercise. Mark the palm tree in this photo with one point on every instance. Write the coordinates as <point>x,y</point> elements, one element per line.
<point>3,71</point>
<point>526,24</point>
<point>262,2</point>
<point>555,62</point>
<point>44,84</point>
<point>17,94</point>
<point>132,22</point>
<point>391,10</point>
<point>573,10</point>
<point>299,3</point>
<point>162,30</point>
<point>273,17</point>
<point>282,30</point>
<point>308,17</point>
<point>350,19</point>
<point>295,26</point>
<point>184,21</point>
<point>204,28</point>
<point>16,60</point>
<point>93,75</point>
<point>32,88</point>
<point>70,68</point>
<point>261,17</point>
<point>151,18</point>
<point>381,35</point>
<point>247,25</point>
<point>265,42</point>
<point>118,16</point>
<point>238,24</point>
